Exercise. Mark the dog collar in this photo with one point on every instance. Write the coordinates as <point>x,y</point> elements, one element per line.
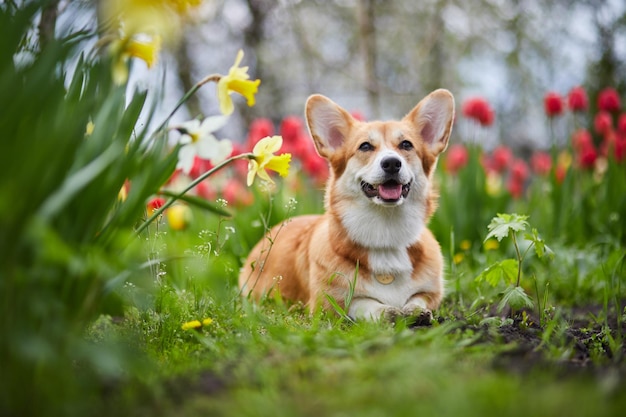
<point>384,279</point>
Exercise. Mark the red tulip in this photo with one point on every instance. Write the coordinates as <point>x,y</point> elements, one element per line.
<point>501,157</point>
<point>199,167</point>
<point>621,123</point>
<point>608,100</point>
<point>577,99</point>
<point>581,138</point>
<point>519,170</point>
<point>541,163</point>
<point>553,104</point>
<point>620,149</point>
<point>479,109</point>
<point>587,157</point>
<point>154,204</point>
<point>457,157</point>
<point>603,122</point>
<point>259,129</point>
<point>515,187</point>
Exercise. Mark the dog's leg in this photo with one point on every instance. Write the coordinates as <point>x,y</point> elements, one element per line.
<point>417,307</point>
<point>372,309</point>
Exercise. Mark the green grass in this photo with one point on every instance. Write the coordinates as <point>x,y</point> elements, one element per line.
<point>277,359</point>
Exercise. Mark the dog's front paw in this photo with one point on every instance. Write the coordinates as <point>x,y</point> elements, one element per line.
<point>391,314</point>
<point>417,316</point>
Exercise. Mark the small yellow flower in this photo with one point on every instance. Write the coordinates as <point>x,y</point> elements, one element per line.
<point>264,159</point>
<point>458,258</point>
<point>190,325</point>
<point>121,196</point>
<point>207,321</point>
<point>491,244</point>
<point>89,128</point>
<point>178,217</point>
<point>466,245</point>
<point>237,81</point>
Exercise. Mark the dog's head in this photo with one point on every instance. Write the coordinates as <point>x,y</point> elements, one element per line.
<point>382,164</point>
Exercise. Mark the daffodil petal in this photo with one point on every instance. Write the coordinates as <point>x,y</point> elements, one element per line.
<point>261,173</point>
<point>279,164</point>
<point>253,167</point>
<point>191,125</point>
<point>206,148</point>
<point>213,124</point>
<point>246,88</point>
<point>268,145</point>
<point>238,59</point>
<point>223,97</point>
<point>185,158</point>
<point>224,149</point>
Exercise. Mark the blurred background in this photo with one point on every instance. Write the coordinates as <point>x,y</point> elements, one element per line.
<point>380,57</point>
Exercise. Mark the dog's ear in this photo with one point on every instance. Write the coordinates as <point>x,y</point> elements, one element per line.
<point>328,123</point>
<point>433,118</point>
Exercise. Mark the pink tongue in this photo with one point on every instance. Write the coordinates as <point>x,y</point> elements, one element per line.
<point>390,191</point>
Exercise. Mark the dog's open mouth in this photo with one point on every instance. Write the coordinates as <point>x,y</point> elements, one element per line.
<point>389,191</point>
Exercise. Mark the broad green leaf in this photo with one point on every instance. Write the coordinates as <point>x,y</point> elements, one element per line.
<point>503,223</point>
<point>505,270</point>
<point>515,297</point>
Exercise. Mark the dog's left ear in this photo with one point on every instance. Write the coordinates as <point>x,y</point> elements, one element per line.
<point>329,124</point>
<point>433,118</point>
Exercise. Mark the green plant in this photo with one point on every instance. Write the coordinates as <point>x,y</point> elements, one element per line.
<point>510,270</point>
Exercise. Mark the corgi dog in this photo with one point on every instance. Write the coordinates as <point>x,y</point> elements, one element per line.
<point>371,250</point>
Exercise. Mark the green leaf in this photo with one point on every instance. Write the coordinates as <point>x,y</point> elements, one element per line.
<point>505,270</point>
<point>516,298</point>
<point>198,202</point>
<point>502,224</point>
<point>541,249</point>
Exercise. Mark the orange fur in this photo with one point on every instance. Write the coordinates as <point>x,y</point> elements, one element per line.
<point>378,200</point>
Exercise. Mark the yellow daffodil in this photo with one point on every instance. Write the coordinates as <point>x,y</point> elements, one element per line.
<point>458,258</point>
<point>163,17</point>
<point>183,6</point>
<point>207,321</point>
<point>265,159</point>
<point>191,325</point>
<point>237,81</point>
<point>466,244</point>
<point>126,47</point>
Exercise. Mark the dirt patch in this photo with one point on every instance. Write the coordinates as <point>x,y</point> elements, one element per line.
<point>577,344</point>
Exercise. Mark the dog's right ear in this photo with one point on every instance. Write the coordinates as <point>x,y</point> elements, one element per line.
<point>328,123</point>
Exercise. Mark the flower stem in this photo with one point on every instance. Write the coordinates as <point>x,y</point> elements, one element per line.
<point>192,91</point>
<point>195,182</point>
<point>520,258</point>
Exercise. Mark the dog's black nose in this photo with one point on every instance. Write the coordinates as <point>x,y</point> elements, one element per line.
<point>391,165</point>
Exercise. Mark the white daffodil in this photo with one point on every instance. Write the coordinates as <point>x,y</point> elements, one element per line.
<point>197,140</point>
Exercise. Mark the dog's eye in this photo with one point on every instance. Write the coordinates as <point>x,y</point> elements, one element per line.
<point>366,147</point>
<point>405,145</point>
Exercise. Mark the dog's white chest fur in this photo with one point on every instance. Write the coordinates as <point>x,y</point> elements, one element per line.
<point>390,280</point>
